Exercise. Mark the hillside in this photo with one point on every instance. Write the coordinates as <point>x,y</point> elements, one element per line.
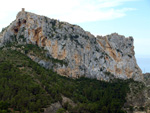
<point>26,86</point>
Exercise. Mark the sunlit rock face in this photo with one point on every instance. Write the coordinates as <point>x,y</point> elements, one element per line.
<point>101,57</point>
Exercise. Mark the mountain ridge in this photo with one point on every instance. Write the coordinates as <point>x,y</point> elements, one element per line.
<point>101,57</point>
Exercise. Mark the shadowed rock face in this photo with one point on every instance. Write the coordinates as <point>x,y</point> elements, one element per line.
<point>85,54</point>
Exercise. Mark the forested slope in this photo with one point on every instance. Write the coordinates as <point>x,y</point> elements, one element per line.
<point>26,86</point>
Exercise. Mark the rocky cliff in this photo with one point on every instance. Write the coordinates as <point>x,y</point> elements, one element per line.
<point>84,54</point>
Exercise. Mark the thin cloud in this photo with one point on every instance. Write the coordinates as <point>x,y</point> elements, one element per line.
<point>73,11</point>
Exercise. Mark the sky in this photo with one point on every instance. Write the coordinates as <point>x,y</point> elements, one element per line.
<point>100,17</point>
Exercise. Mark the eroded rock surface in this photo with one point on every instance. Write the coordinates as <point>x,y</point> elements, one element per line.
<point>85,54</point>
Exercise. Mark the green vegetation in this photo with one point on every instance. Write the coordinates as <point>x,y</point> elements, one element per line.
<point>41,53</point>
<point>26,86</point>
<point>22,38</point>
<point>18,87</point>
<point>14,39</point>
<point>4,107</point>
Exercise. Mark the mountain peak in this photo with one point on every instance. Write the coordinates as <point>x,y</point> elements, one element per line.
<point>101,57</point>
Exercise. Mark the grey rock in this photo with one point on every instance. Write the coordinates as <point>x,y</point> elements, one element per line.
<point>86,55</point>
<point>53,108</point>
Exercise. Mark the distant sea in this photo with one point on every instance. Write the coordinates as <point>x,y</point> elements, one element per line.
<point>144,64</point>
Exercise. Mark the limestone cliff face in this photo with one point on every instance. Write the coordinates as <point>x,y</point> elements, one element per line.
<point>86,55</point>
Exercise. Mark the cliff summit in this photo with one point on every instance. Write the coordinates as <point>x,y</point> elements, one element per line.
<point>101,57</point>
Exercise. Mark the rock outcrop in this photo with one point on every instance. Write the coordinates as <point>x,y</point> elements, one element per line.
<point>138,99</point>
<point>98,57</point>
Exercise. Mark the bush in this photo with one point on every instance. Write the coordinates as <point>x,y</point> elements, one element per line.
<point>61,110</point>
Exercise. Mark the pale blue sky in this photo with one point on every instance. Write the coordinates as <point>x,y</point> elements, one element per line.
<point>100,17</point>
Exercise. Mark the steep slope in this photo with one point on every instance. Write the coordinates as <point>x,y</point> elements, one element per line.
<point>28,87</point>
<point>138,99</point>
<point>83,53</point>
